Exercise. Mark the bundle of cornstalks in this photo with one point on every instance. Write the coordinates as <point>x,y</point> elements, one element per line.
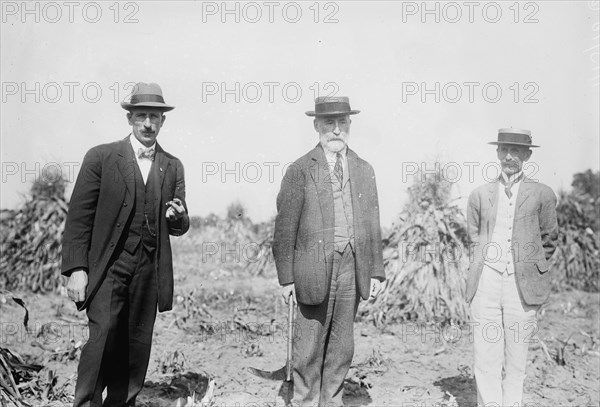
<point>577,257</point>
<point>30,240</point>
<point>425,259</point>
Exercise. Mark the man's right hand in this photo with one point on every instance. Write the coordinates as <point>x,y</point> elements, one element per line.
<point>77,284</point>
<point>287,290</point>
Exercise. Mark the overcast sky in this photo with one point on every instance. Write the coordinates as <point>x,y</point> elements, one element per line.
<point>241,88</point>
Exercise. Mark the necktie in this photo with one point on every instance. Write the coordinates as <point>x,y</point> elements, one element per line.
<point>508,185</point>
<point>338,170</point>
<point>146,153</point>
<point>507,189</point>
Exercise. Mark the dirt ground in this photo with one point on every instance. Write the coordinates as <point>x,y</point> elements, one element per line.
<point>225,321</point>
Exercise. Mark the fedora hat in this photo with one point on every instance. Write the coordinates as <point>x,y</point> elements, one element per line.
<point>146,95</point>
<point>518,137</point>
<point>332,106</point>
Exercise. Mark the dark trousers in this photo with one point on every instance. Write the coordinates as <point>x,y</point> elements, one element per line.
<point>121,320</point>
<point>324,338</point>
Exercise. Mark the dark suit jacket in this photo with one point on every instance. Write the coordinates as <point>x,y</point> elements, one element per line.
<point>304,226</point>
<point>534,236</point>
<point>101,203</point>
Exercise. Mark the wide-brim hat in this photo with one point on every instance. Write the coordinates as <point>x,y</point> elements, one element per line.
<point>332,106</point>
<point>518,137</point>
<point>146,95</point>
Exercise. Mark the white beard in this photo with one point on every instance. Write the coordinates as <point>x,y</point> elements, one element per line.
<point>333,143</point>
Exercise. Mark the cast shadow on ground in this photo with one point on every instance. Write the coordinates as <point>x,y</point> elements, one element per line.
<point>165,392</point>
<point>462,387</point>
<point>355,394</point>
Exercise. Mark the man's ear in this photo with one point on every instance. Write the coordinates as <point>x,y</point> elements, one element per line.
<point>163,119</point>
<point>315,125</point>
<point>528,155</point>
<point>129,116</point>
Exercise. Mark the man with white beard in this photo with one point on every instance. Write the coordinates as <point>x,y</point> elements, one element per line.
<point>328,252</point>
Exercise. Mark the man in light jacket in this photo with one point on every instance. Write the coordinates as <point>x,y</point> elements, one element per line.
<point>513,230</point>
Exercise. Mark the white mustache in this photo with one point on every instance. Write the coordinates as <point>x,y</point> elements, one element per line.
<point>333,137</point>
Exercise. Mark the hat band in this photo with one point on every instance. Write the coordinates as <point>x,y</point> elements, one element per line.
<point>514,138</point>
<point>332,107</point>
<point>135,99</point>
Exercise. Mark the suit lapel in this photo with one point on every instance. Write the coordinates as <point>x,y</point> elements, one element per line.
<point>126,165</point>
<point>492,195</point>
<point>358,182</point>
<point>319,172</point>
<point>161,165</point>
<point>524,190</point>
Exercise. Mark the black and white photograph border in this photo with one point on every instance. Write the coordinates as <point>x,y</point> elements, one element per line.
<point>432,87</point>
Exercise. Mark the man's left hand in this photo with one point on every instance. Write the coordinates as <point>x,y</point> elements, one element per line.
<point>175,209</point>
<point>376,287</point>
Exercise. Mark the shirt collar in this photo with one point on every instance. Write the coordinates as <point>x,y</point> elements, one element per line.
<point>136,145</point>
<point>332,157</point>
<point>512,178</point>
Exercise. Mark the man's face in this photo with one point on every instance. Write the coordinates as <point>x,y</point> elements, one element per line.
<point>146,123</point>
<point>334,131</point>
<point>512,157</point>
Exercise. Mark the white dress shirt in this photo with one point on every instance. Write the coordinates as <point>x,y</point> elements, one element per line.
<point>499,254</point>
<point>332,158</point>
<point>144,164</point>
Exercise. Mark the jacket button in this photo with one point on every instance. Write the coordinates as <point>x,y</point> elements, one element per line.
<point>125,204</point>
<point>118,225</point>
<point>111,244</point>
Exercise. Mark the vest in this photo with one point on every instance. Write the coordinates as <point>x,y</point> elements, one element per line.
<point>143,226</point>
<point>499,251</point>
<point>343,215</point>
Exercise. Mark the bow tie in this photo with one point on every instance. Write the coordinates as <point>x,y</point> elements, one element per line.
<point>146,153</point>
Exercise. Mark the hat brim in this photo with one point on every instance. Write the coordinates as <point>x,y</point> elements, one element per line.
<point>339,113</point>
<point>497,143</point>
<point>154,105</point>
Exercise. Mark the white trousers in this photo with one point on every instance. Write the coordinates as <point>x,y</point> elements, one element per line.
<point>504,326</point>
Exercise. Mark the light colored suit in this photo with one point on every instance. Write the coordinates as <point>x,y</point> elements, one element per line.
<point>503,303</point>
<point>535,236</point>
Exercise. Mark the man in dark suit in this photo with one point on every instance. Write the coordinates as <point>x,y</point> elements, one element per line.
<point>128,197</point>
<point>328,252</point>
<point>513,228</point>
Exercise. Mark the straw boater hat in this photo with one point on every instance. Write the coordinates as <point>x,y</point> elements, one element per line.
<point>518,137</point>
<point>332,106</point>
<point>146,95</point>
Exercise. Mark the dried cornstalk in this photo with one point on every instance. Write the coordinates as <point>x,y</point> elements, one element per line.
<point>30,240</point>
<point>425,259</point>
